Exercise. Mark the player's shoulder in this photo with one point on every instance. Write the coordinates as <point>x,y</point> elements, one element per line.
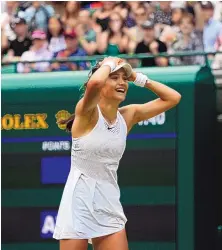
<point>128,111</point>
<point>79,110</point>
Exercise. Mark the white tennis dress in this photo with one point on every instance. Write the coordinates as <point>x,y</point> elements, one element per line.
<point>90,205</point>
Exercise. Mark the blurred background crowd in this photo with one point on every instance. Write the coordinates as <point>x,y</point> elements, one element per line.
<point>36,30</point>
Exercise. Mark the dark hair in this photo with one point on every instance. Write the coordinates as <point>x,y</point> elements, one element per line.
<point>71,119</point>
<point>49,35</point>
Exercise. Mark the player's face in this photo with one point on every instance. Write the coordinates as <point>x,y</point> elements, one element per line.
<point>116,86</point>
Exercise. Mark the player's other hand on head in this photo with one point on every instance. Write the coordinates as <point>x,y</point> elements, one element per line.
<point>116,60</point>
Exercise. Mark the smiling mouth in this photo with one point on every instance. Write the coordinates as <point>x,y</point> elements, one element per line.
<point>121,90</point>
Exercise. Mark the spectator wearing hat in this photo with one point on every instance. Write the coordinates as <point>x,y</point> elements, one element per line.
<point>187,40</point>
<point>37,52</point>
<point>37,15</point>
<point>152,46</point>
<point>212,28</point>
<point>22,41</point>
<point>72,49</point>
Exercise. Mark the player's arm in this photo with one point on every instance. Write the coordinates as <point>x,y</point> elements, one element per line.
<point>168,98</point>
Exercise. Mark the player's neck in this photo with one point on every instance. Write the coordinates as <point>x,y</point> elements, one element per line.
<point>109,110</point>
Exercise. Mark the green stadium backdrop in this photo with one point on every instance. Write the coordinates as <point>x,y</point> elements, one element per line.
<point>157,174</point>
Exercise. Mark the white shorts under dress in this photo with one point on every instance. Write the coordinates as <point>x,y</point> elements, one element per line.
<point>90,206</point>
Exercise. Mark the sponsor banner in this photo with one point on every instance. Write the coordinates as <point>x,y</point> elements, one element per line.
<point>22,122</point>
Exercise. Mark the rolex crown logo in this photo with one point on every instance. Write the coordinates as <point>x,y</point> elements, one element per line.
<point>62,115</point>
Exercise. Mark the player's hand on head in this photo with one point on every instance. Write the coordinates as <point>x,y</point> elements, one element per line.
<point>116,60</point>
<point>132,77</point>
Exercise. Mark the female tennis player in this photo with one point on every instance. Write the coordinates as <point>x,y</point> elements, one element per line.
<point>90,209</point>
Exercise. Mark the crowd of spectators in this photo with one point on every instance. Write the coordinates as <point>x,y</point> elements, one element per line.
<point>35,31</point>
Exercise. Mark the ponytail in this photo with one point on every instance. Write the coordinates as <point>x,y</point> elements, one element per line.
<point>71,119</point>
<point>68,122</point>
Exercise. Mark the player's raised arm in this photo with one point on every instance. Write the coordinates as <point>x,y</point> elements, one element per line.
<point>168,98</point>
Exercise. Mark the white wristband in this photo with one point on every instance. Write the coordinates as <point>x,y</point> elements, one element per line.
<point>140,79</point>
<point>111,64</point>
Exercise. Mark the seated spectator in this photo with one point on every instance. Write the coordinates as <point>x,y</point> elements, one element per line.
<point>72,49</point>
<point>71,15</point>
<point>37,52</point>
<point>177,14</point>
<point>169,33</point>
<point>86,33</point>
<point>37,15</point>
<point>163,21</point>
<point>55,35</point>
<point>152,46</point>
<point>187,40</point>
<point>101,16</point>
<point>212,29</point>
<point>136,33</point>
<point>113,41</point>
<point>22,41</point>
